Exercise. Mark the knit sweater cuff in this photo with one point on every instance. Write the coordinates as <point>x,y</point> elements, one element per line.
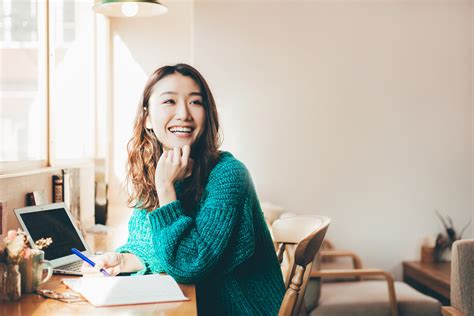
<point>166,215</point>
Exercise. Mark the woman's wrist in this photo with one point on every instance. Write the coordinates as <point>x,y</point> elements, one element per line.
<point>164,186</point>
<point>166,193</point>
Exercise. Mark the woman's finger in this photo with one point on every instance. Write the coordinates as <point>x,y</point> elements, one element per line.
<point>186,154</point>
<point>99,262</point>
<point>87,269</point>
<point>98,266</point>
<point>176,155</point>
<point>169,156</point>
<point>163,155</point>
<point>114,270</point>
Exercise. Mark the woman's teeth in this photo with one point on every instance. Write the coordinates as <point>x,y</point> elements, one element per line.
<point>181,130</point>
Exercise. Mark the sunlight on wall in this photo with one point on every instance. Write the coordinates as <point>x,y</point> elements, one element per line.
<point>129,77</point>
<point>138,47</point>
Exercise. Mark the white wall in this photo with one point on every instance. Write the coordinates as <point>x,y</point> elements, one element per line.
<point>359,110</point>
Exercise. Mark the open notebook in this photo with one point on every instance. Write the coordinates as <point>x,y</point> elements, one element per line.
<point>124,290</point>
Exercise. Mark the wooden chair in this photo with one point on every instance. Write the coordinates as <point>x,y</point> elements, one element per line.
<point>362,291</point>
<point>271,212</point>
<point>462,279</point>
<point>330,258</point>
<point>299,237</point>
<point>345,268</point>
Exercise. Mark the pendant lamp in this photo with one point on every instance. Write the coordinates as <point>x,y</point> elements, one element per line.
<point>129,8</point>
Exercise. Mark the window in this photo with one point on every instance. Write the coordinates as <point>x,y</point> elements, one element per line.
<point>23,106</point>
<point>46,97</point>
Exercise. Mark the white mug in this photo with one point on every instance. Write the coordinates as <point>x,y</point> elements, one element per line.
<point>31,270</point>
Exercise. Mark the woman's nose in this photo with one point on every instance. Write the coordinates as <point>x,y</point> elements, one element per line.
<point>182,111</point>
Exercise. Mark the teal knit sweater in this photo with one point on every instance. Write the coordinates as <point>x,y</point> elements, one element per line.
<point>225,248</point>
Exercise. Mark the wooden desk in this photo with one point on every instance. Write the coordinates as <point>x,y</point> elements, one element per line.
<point>433,279</point>
<point>33,304</point>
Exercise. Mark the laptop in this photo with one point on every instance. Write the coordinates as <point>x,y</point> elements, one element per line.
<point>55,221</point>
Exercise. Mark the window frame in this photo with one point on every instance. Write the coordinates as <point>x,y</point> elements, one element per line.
<point>10,168</point>
<point>7,167</point>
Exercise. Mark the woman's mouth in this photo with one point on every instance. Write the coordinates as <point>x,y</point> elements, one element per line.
<point>181,131</point>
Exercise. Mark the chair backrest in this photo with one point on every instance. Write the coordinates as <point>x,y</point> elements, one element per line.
<point>462,276</point>
<point>271,211</point>
<point>300,237</point>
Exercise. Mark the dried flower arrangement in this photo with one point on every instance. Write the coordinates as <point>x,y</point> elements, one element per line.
<point>14,250</point>
<point>14,247</point>
<point>445,241</point>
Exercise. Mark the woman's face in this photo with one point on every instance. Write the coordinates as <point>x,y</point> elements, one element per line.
<point>176,112</point>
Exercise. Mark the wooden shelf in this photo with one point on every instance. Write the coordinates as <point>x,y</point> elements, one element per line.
<point>69,164</point>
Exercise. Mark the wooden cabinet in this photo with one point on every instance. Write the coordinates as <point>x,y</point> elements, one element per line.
<point>433,279</point>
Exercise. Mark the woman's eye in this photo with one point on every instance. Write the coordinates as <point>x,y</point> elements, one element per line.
<point>169,101</point>
<point>196,102</point>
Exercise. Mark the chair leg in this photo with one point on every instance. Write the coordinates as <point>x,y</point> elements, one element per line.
<point>291,296</point>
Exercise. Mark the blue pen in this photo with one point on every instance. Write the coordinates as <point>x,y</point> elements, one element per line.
<point>89,261</point>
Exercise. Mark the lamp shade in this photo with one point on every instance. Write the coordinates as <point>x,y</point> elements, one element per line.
<point>129,8</point>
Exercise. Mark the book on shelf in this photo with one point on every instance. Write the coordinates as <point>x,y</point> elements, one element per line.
<point>58,189</point>
<point>36,198</point>
<point>3,219</point>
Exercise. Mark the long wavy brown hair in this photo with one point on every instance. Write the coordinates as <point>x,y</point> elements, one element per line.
<point>144,148</point>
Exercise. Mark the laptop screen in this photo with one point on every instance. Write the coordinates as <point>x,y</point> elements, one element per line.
<point>56,224</point>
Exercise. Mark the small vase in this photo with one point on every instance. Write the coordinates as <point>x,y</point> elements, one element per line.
<point>446,256</point>
<point>10,282</point>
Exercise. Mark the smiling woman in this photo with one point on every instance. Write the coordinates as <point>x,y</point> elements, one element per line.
<point>176,111</point>
<point>197,216</point>
<point>174,99</point>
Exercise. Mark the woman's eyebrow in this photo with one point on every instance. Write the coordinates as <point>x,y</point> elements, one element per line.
<point>168,92</point>
<point>190,94</point>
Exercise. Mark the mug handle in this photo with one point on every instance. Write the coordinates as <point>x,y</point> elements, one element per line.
<point>49,266</point>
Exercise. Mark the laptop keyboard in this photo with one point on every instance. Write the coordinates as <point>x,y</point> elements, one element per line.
<point>73,266</point>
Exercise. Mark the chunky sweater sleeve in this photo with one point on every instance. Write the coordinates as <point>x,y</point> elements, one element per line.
<point>189,248</point>
<point>140,242</point>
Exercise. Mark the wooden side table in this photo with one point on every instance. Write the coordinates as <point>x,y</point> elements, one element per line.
<point>433,279</point>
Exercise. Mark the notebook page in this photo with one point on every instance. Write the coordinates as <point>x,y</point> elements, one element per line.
<point>123,290</point>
